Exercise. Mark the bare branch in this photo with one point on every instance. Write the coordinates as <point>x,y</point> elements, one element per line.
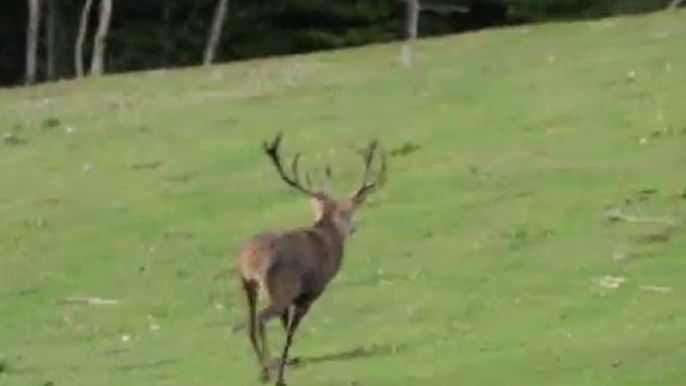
<point>89,300</point>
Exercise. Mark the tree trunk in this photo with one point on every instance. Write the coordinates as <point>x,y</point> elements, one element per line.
<point>50,43</point>
<point>81,37</point>
<point>168,41</point>
<point>100,40</point>
<point>216,31</point>
<point>411,27</point>
<point>412,18</point>
<point>32,31</point>
<point>674,4</point>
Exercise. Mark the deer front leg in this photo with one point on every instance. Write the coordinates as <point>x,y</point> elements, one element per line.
<point>263,317</point>
<point>296,315</point>
<point>285,320</point>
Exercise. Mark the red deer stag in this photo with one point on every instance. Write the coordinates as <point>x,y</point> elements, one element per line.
<point>291,269</point>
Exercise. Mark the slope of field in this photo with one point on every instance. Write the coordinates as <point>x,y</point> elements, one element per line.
<point>489,258</point>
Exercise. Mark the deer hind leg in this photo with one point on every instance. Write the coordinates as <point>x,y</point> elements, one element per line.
<point>250,289</point>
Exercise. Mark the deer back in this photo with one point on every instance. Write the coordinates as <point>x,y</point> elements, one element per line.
<point>306,257</point>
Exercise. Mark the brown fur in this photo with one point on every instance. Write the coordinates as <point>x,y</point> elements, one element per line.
<point>291,269</point>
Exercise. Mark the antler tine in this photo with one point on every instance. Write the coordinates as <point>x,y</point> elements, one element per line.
<point>308,180</point>
<point>294,168</point>
<point>381,177</point>
<point>367,186</point>
<point>368,158</point>
<point>272,150</point>
<point>329,177</point>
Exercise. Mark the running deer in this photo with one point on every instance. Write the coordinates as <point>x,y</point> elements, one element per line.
<point>291,269</point>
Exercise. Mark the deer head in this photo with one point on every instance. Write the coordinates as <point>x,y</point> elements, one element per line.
<point>326,208</point>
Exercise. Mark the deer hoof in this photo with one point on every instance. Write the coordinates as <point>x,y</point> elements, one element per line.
<point>280,382</point>
<point>264,376</point>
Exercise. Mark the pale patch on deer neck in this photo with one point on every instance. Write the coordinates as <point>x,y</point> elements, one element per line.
<point>329,224</point>
<point>318,209</point>
<point>335,240</point>
<point>341,226</point>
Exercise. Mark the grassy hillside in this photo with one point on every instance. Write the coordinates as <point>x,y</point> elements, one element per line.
<point>480,263</point>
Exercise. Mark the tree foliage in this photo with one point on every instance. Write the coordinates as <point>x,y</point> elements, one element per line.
<point>164,33</point>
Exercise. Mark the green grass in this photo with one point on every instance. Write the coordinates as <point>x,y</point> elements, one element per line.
<point>476,265</point>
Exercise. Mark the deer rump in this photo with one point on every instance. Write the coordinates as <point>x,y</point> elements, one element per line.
<point>290,267</point>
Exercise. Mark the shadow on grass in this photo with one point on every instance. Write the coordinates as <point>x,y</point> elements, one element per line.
<point>359,352</point>
<point>147,365</point>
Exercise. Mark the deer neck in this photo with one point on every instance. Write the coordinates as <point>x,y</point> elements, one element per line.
<point>335,238</point>
<point>327,223</point>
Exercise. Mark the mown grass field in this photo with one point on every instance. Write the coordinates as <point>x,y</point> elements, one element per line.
<point>480,263</point>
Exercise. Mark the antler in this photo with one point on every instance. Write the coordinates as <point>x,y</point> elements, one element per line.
<point>272,150</point>
<point>367,186</point>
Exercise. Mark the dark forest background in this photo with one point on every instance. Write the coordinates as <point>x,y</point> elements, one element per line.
<point>148,34</point>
